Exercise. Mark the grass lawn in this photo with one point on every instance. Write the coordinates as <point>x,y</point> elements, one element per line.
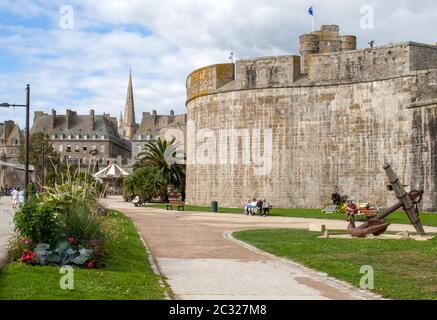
<point>127,274</point>
<point>428,219</point>
<point>403,269</point>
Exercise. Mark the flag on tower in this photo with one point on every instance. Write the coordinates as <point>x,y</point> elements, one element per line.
<point>311,11</point>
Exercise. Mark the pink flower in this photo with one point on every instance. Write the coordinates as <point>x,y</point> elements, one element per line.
<point>90,265</point>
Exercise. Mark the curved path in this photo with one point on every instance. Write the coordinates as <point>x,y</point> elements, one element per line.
<point>197,254</point>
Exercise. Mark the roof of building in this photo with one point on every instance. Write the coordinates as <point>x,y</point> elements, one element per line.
<point>3,126</point>
<point>79,124</point>
<point>152,123</point>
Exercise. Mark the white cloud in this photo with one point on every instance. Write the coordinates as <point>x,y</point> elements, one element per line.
<point>163,41</point>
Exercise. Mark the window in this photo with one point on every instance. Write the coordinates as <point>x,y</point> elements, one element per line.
<point>78,137</point>
<point>103,137</point>
<point>61,148</point>
<point>95,137</point>
<point>13,151</point>
<point>76,148</point>
<point>85,137</point>
<point>68,148</point>
<point>54,137</point>
<point>14,142</point>
<point>94,147</point>
<point>85,148</point>
<point>139,148</point>
<point>70,136</point>
<point>102,148</point>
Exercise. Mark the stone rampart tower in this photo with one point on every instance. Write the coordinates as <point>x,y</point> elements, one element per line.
<point>291,128</point>
<point>327,40</point>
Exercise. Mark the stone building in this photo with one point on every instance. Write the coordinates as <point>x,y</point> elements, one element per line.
<point>11,138</point>
<point>291,128</point>
<point>83,139</point>
<point>154,126</point>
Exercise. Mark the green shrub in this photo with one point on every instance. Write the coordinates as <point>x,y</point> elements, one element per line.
<point>31,190</point>
<point>81,223</point>
<point>146,182</point>
<point>38,222</point>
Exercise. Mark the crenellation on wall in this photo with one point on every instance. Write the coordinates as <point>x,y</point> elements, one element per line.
<point>208,79</point>
<point>267,72</point>
<point>372,63</point>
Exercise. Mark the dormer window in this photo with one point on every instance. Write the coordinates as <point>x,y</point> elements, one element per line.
<point>103,137</point>
<point>70,136</point>
<point>78,136</point>
<point>54,137</point>
<point>85,137</point>
<point>95,137</point>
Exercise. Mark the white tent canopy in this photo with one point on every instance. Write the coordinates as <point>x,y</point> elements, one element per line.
<point>15,165</point>
<point>113,170</point>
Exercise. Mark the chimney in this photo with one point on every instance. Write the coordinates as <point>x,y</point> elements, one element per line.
<point>93,119</point>
<point>9,126</point>
<point>36,115</point>
<point>53,118</point>
<point>171,112</point>
<point>70,116</point>
<point>154,117</point>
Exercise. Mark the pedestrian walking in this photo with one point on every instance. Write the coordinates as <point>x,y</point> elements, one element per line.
<point>14,198</point>
<point>21,196</point>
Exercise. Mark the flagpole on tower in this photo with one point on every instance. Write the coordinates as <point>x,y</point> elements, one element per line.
<point>311,12</point>
<point>312,21</point>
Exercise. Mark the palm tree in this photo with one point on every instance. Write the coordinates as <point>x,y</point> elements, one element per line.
<point>162,155</point>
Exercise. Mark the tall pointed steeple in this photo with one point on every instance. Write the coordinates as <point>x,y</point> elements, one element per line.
<point>129,111</point>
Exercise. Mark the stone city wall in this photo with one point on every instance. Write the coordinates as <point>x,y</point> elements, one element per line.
<point>323,134</point>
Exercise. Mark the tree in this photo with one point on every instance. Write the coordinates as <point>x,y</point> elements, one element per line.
<point>146,182</point>
<point>162,155</point>
<point>41,155</point>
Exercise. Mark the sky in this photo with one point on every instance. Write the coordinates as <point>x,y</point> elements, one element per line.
<point>77,54</point>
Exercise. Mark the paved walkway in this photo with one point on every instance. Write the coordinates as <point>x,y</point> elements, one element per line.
<point>6,226</point>
<point>200,259</point>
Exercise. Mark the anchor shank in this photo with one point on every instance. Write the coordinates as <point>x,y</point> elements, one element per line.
<point>404,197</point>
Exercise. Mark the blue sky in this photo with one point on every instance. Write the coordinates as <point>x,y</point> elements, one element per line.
<point>163,41</point>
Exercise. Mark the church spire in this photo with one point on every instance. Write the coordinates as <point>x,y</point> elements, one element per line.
<point>129,111</point>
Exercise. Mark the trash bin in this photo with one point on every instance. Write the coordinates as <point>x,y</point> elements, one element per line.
<point>214,206</point>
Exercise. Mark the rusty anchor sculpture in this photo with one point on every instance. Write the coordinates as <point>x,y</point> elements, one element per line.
<point>407,201</point>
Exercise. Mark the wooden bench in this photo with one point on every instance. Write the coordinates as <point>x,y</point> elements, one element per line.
<point>179,204</point>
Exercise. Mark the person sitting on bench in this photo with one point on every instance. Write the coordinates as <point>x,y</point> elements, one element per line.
<point>266,207</point>
<point>136,201</point>
<point>259,207</point>
<point>247,207</point>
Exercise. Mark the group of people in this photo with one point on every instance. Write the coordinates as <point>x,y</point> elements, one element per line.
<point>17,195</point>
<point>257,207</point>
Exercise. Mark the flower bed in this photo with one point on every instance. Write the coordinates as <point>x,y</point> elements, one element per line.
<point>61,226</point>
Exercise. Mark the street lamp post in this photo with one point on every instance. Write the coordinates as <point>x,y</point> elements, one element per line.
<point>26,135</point>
